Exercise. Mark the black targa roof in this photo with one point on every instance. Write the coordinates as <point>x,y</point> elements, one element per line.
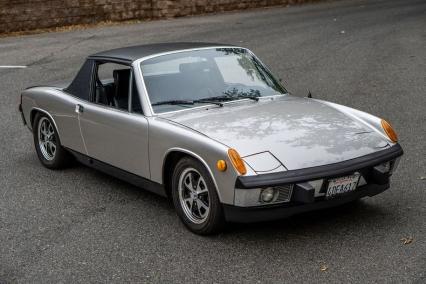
<point>133,53</point>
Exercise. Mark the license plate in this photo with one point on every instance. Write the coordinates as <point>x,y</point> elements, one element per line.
<point>342,185</point>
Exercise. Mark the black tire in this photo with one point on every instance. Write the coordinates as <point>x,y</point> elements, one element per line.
<point>58,159</point>
<point>214,220</point>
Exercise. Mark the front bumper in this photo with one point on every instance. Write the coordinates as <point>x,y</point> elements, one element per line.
<point>265,213</point>
<point>327,171</point>
<point>304,197</point>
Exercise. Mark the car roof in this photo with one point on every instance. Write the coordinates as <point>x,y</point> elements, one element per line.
<point>133,53</point>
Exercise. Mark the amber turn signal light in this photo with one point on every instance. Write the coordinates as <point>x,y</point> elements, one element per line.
<point>237,162</point>
<point>390,132</point>
<point>221,165</point>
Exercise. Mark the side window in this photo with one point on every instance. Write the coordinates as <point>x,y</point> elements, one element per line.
<point>112,83</point>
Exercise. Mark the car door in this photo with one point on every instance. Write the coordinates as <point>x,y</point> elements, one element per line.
<point>65,113</point>
<point>118,137</point>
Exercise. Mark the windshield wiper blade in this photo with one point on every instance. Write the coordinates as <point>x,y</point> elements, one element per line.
<point>223,98</point>
<point>213,100</point>
<point>233,95</point>
<point>210,100</point>
<point>174,102</point>
<point>254,98</point>
<point>187,102</point>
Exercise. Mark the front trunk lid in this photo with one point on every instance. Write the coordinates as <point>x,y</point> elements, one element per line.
<point>299,132</point>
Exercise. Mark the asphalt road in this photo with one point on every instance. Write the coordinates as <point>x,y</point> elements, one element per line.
<point>79,225</point>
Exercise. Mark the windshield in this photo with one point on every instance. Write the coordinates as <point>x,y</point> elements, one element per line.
<point>193,78</point>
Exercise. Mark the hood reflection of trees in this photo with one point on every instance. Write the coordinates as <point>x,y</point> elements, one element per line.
<point>292,122</point>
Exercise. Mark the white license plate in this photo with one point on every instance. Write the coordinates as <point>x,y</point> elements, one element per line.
<point>342,185</point>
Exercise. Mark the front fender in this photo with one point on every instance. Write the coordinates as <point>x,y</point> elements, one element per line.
<point>373,122</point>
<point>166,136</point>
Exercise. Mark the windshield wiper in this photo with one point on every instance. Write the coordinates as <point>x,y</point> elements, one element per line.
<point>187,102</point>
<point>212,100</point>
<point>227,98</point>
<point>217,99</point>
<point>232,96</point>
<point>174,102</point>
<point>253,98</point>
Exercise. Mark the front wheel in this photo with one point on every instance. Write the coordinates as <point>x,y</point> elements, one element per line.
<point>195,198</point>
<point>47,144</point>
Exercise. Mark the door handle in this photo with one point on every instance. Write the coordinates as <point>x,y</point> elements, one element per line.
<point>79,108</point>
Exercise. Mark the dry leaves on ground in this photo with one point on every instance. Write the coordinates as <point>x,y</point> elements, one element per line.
<point>324,267</point>
<point>407,240</point>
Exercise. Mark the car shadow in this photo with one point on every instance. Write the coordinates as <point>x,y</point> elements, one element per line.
<point>349,214</point>
<point>130,191</point>
<point>337,220</point>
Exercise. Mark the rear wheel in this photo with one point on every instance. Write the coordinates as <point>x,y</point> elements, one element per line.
<point>47,144</point>
<point>195,198</point>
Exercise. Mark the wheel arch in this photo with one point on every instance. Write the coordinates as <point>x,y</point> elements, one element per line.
<point>170,160</point>
<point>36,110</point>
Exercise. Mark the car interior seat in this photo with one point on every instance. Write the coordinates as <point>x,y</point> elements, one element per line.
<point>121,83</point>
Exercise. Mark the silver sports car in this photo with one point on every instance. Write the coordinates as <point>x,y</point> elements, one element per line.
<point>209,126</point>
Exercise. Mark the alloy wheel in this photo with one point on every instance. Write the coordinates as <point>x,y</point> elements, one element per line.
<point>46,138</point>
<point>194,195</point>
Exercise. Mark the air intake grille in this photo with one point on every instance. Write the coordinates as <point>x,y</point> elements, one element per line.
<point>284,193</point>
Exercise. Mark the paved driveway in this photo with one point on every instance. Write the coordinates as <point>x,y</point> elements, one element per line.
<point>79,225</point>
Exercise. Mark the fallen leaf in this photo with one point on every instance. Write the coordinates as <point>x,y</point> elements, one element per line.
<point>323,267</point>
<point>407,240</point>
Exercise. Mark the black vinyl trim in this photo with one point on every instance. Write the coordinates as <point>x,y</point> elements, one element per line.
<point>81,86</point>
<point>331,170</point>
<point>111,59</point>
<point>133,53</point>
<point>256,214</point>
<point>120,174</point>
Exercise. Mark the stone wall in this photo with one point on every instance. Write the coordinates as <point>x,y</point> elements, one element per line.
<point>23,15</point>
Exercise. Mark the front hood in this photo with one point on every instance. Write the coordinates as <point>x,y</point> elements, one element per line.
<point>299,132</point>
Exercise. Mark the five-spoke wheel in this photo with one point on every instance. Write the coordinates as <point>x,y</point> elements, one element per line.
<point>195,197</point>
<point>46,138</point>
<point>48,146</point>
